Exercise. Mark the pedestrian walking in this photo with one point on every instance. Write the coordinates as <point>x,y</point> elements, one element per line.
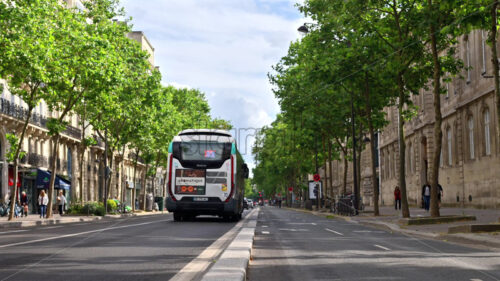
<point>440,194</point>
<point>61,202</point>
<point>43,200</point>
<point>24,204</point>
<point>426,195</point>
<point>397,198</point>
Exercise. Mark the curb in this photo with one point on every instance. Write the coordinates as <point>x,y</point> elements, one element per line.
<point>20,224</point>
<point>233,263</point>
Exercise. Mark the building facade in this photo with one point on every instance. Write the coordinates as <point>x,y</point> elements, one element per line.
<point>470,153</point>
<point>83,169</point>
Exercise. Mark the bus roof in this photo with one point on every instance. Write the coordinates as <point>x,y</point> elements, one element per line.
<point>213,132</point>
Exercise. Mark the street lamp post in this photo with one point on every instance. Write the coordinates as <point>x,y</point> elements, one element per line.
<point>303,29</point>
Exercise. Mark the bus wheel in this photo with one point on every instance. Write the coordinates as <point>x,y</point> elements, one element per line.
<point>177,216</point>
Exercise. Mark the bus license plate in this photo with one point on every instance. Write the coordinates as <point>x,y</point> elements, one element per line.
<point>203,199</point>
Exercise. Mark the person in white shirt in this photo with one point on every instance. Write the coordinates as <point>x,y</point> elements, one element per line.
<point>43,200</point>
<point>61,202</point>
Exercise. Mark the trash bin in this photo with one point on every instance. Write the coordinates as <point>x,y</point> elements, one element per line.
<point>159,200</point>
<point>149,202</point>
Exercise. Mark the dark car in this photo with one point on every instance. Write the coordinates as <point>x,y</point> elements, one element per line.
<point>245,204</point>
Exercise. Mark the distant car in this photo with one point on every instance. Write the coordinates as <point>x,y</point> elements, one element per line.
<point>250,203</point>
<point>245,204</point>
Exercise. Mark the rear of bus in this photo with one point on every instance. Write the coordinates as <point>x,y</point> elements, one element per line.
<point>202,177</point>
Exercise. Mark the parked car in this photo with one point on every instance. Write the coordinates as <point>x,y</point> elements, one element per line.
<point>245,203</point>
<point>250,203</point>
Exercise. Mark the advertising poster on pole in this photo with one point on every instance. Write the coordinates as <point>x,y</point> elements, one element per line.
<point>312,184</point>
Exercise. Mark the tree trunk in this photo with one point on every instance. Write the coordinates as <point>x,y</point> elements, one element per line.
<point>144,190</point>
<point>330,167</point>
<point>402,147</point>
<point>134,195</point>
<point>494,58</point>
<point>438,134</point>
<point>346,167</point>
<point>13,198</point>
<point>373,151</point>
<point>53,169</point>
<point>123,184</point>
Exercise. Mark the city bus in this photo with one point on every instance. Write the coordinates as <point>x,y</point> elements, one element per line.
<point>206,175</point>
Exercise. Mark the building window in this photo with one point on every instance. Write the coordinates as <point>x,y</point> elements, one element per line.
<point>467,54</point>
<point>395,163</point>
<point>449,142</point>
<point>410,158</point>
<point>471,137</point>
<point>487,141</point>
<point>483,52</point>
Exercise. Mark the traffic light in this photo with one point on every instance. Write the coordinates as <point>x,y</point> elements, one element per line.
<point>260,193</point>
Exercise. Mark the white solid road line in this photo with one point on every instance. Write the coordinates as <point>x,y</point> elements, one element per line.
<point>327,229</point>
<point>382,247</point>
<point>77,234</point>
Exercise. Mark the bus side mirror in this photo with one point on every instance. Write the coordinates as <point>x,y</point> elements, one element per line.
<point>245,171</point>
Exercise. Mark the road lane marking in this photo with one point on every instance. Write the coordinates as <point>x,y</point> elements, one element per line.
<point>313,223</point>
<point>77,234</point>
<point>327,229</point>
<point>265,232</point>
<point>382,247</point>
<point>199,265</point>
<point>12,231</point>
<point>293,229</point>
<point>51,227</point>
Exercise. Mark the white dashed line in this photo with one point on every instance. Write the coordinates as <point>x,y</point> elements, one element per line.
<point>265,226</point>
<point>12,231</point>
<point>265,232</point>
<point>327,229</point>
<point>382,247</point>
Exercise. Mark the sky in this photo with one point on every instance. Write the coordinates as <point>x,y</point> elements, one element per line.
<point>225,48</point>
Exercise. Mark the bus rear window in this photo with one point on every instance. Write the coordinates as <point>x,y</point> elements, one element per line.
<point>202,151</point>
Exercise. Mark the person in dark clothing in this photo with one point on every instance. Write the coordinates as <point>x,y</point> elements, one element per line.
<point>426,195</point>
<point>397,198</point>
<point>440,194</point>
<point>24,204</point>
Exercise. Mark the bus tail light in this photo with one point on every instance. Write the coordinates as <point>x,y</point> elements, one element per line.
<point>169,183</point>
<point>232,180</point>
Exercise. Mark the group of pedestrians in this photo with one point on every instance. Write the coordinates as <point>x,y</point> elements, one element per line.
<point>426,196</point>
<point>43,201</point>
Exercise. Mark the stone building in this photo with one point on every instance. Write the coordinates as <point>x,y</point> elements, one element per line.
<point>38,148</point>
<point>470,146</point>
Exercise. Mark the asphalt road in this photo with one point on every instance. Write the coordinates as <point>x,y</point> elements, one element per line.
<point>135,248</point>
<point>291,245</point>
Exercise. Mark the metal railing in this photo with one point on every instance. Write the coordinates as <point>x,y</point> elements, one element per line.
<point>21,113</point>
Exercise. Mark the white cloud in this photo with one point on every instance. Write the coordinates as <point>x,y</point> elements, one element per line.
<point>223,47</point>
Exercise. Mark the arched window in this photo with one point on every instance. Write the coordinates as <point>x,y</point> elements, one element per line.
<point>487,138</point>
<point>470,123</point>
<point>449,143</point>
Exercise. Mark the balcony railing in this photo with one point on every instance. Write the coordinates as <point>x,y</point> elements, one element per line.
<point>19,112</point>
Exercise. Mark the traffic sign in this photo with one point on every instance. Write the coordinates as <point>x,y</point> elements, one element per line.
<point>316,177</point>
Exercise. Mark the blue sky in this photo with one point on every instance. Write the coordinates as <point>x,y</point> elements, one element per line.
<point>225,48</point>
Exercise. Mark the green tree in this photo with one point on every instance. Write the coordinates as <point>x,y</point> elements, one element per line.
<point>27,45</point>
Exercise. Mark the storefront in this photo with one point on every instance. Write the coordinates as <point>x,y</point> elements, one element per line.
<point>43,180</point>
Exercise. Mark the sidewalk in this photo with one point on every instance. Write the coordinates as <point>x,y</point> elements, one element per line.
<point>34,219</point>
<point>391,219</point>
